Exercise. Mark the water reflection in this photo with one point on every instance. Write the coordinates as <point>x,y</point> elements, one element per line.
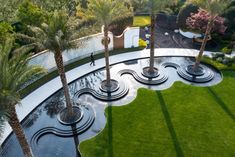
<point>55,104</point>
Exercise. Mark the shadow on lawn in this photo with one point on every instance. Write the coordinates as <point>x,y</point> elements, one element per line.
<point>110,132</point>
<point>170,126</point>
<point>221,104</point>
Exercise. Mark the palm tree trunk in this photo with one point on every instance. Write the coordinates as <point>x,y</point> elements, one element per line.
<point>60,66</point>
<point>207,33</point>
<point>17,129</point>
<point>106,54</point>
<point>152,40</point>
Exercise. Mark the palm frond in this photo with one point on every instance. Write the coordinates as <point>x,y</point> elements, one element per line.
<point>14,72</point>
<point>107,11</point>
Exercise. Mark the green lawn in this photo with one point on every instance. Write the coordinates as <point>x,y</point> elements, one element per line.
<point>181,121</point>
<point>141,21</point>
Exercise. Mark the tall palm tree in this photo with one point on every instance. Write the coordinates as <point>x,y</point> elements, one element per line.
<point>105,12</point>
<point>214,8</point>
<point>155,6</point>
<point>57,35</point>
<point>14,73</point>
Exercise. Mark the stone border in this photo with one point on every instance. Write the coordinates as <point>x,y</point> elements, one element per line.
<point>82,126</point>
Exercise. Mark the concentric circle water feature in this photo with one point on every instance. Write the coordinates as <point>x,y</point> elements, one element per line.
<point>109,88</point>
<point>66,119</point>
<point>148,74</point>
<point>48,137</point>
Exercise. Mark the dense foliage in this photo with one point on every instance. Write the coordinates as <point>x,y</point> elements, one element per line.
<point>229,15</point>
<point>118,26</point>
<point>5,31</point>
<point>8,9</point>
<point>30,14</point>
<point>184,13</point>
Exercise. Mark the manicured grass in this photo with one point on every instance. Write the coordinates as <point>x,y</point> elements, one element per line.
<point>181,121</point>
<point>141,21</point>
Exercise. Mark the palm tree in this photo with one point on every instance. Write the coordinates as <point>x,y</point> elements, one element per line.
<point>14,73</point>
<point>105,12</point>
<point>214,8</point>
<point>57,35</point>
<point>155,6</point>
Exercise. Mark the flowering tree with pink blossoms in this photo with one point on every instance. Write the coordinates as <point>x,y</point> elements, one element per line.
<point>198,22</point>
<point>208,20</point>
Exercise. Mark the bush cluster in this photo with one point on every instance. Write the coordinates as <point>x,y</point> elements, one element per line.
<point>220,57</point>
<point>142,43</point>
<point>184,13</point>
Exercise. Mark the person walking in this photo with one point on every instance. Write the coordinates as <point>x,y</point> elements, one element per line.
<point>92,59</point>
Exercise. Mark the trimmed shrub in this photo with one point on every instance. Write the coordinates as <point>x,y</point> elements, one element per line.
<point>5,30</point>
<point>184,13</point>
<point>226,50</point>
<point>217,55</point>
<point>142,43</point>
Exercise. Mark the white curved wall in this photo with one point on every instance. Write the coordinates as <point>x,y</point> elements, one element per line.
<point>88,45</point>
<point>190,34</point>
<point>131,37</point>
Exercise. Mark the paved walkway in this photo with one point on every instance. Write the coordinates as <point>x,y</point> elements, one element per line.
<point>39,95</point>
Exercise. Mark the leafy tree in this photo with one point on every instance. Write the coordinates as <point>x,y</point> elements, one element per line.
<point>105,12</point>
<point>6,30</point>
<point>229,15</point>
<point>184,13</point>
<point>8,9</point>
<point>14,73</point>
<point>214,8</point>
<point>30,14</point>
<point>138,5</point>
<point>67,5</point>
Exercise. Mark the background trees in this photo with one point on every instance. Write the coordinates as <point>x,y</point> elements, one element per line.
<point>30,14</point>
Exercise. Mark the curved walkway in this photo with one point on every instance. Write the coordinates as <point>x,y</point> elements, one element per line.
<point>39,95</point>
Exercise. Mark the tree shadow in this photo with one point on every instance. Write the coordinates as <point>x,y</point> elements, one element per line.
<point>76,140</point>
<point>170,126</point>
<point>222,104</point>
<point>110,132</point>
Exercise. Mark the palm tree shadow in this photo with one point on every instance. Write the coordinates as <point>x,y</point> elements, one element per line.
<point>76,140</point>
<point>110,132</point>
<point>170,126</point>
<point>222,104</point>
